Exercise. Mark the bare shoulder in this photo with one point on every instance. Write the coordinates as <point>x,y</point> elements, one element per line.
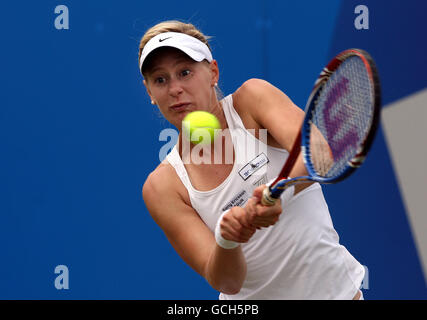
<point>256,97</point>
<point>246,100</point>
<point>250,92</point>
<point>252,85</point>
<point>261,105</point>
<point>163,183</point>
<point>155,182</point>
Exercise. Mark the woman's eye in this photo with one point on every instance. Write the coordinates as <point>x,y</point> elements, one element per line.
<point>185,73</point>
<point>159,80</point>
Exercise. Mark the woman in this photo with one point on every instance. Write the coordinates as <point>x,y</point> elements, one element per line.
<point>245,251</point>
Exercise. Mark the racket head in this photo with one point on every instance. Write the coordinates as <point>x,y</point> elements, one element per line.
<point>344,107</point>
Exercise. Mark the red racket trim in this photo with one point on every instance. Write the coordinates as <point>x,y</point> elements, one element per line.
<point>292,158</point>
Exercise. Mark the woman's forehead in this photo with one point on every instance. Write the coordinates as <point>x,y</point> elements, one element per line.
<point>165,55</point>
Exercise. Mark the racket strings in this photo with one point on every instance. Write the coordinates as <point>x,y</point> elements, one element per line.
<point>341,118</point>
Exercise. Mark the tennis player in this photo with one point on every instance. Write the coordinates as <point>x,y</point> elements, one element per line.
<point>211,212</point>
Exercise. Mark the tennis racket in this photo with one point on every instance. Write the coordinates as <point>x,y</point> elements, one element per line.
<point>341,119</point>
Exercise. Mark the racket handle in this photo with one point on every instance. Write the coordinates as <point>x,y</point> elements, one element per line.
<point>267,199</point>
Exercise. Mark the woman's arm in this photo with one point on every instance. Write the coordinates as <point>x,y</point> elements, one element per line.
<point>168,204</point>
<point>263,106</point>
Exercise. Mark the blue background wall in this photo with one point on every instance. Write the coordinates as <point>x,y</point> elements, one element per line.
<point>78,138</point>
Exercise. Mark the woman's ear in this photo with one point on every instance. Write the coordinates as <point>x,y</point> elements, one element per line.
<point>146,86</point>
<point>148,91</point>
<point>214,72</point>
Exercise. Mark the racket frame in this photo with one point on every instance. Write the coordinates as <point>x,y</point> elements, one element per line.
<point>302,141</point>
<point>364,148</point>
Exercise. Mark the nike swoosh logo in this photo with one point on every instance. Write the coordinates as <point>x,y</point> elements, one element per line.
<point>161,40</point>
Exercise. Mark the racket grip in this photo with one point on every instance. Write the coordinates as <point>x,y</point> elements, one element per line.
<point>267,198</point>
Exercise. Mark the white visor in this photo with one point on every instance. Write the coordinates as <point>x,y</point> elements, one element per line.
<point>191,46</point>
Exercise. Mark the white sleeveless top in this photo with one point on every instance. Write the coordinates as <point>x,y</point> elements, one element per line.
<point>300,256</point>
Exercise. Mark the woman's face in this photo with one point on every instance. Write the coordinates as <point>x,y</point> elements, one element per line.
<point>179,85</point>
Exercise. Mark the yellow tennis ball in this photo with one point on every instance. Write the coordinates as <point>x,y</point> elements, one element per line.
<point>199,127</point>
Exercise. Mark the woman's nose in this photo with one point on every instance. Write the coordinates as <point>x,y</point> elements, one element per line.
<point>175,88</point>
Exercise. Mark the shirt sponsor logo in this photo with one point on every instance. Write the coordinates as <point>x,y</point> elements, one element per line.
<point>238,201</point>
<point>253,166</point>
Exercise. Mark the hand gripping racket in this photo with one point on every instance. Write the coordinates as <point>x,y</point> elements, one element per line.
<point>341,119</point>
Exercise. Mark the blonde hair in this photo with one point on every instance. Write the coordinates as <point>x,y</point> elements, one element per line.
<point>176,26</point>
<point>172,26</point>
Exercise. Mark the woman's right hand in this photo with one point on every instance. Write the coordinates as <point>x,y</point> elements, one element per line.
<point>260,216</point>
<point>239,224</point>
<point>235,225</point>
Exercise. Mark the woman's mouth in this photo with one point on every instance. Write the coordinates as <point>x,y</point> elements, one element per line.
<point>179,107</point>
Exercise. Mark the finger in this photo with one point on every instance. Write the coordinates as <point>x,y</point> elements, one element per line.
<point>228,231</point>
<point>247,228</point>
<point>250,210</point>
<point>243,217</point>
<point>235,226</point>
<point>245,234</point>
<point>274,210</point>
<point>238,235</point>
<point>229,222</point>
<point>267,216</point>
<point>246,238</point>
<point>230,235</point>
<point>258,192</point>
<point>265,224</point>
